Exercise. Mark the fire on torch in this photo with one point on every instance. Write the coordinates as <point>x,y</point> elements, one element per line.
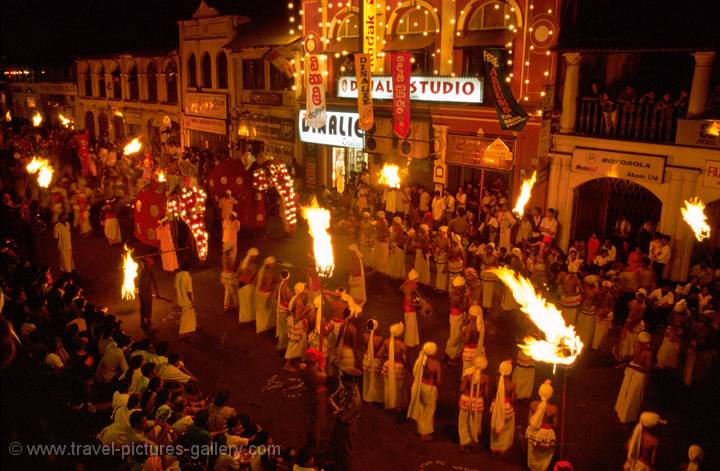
<point>525,193</point>
<point>318,224</point>
<point>37,119</point>
<point>390,176</point>
<point>130,272</point>
<point>132,147</point>
<point>43,169</point>
<point>694,214</point>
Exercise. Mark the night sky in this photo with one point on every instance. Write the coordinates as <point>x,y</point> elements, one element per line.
<point>54,31</point>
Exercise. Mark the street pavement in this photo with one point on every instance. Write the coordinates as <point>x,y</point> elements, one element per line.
<point>227,356</point>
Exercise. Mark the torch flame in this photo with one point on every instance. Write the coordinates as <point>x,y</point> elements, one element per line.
<point>43,169</point>
<point>318,224</point>
<point>66,122</point>
<point>525,193</point>
<point>161,176</point>
<point>390,176</point>
<point>130,272</point>
<point>132,146</point>
<point>8,116</point>
<point>694,215</point>
<point>561,344</point>
<point>37,119</point>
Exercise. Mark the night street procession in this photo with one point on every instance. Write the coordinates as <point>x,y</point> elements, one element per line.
<point>362,235</point>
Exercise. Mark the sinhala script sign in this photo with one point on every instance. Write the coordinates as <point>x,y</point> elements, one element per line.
<point>644,168</point>
<point>341,129</point>
<point>422,88</point>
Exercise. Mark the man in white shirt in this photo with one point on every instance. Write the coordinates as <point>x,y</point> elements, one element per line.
<point>611,250</point>
<point>231,226</point>
<point>61,232</point>
<point>113,363</point>
<point>549,226</point>
<point>661,302</point>
<point>662,257</point>
<point>438,208</point>
<point>449,205</point>
<point>174,371</point>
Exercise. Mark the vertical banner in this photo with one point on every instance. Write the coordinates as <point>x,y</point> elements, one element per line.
<point>369,31</point>
<point>364,84</point>
<point>510,113</point>
<point>400,67</point>
<point>81,140</point>
<point>314,71</point>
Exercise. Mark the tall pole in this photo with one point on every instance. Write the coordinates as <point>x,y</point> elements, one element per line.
<point>563,410</point>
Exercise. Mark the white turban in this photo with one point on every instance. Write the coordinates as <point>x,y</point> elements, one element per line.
<point>299,287</point>
<point>425,227</point>
<point>516,251</point>
<point>428,349</point>
<point>413,275</point>
<point>269,260</point>
<point>397,329</point>
<point>647,419</point>
<point>545,392</point>
<point>443,229</point>
<point>475,310</point>
<point>397,220</point>
<point>644,337</point>
<point>497,419</point>
<point>695,455</point>
<point>458,281</point>
<point>380,214</point>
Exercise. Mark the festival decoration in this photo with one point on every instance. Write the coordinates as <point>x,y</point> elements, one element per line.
<point>149,208</point>
<point>525,193</point>
<point>130,272</point>
<point>132,147</point>
<point>316,116</point>
<point>510,113</point>
<point>390,176</point>
<point>281,180</point>
<point>318,224</point>
<point>694,214</point>
<point>561,344</point>
<point>189,206</point>
<point>43,169</point>
<point>37,119</point>
<point>364,82</point>
<point>400,67</point>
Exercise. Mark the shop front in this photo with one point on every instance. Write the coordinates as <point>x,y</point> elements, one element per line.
<point>486,163</point>
<point>334,154</point>
<point>272,135</point>
<point>205,121</point>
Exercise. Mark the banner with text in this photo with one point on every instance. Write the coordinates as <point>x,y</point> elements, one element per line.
<point>315,86</point>
<point>400,68</point>
<point>510,113</point>
<point>372,21</point>
<point>364,96</point>
<point>601,163</point>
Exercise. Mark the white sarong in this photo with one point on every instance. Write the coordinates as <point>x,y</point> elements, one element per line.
<point>393,401</point>
<point>586,326</point>
<point>488,288</point>
<point>422,407</point>
<point>454,345</point>
<point>470,419</point>
<point>381,257</point>
<point>188,320</point>
<point>245,295</point>
<point>112,231</point>
<point>373,381</point>
<point>631,394</point>
<point>503,441</point>
<point>441,276</point>
<point>396,265</point>
<point>668,356</point>
<point>412,334</point>
<point>541,447</point>
<point>264,320</point>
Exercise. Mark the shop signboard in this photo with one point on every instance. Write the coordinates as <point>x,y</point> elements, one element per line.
<point>342,129</point>
<point>213,126</point>
<point>265,98</point>
<point>698,132</point>
<point>478,152</point>
<point>637,167</point>
<point>274,128</point>
<point>207,105</point>
<point>422,88</point>
<point>711,177</point>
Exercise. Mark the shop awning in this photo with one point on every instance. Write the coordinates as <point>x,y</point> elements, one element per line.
<point>410,42</point>
<point>496,37</point>
<point>349,45</point>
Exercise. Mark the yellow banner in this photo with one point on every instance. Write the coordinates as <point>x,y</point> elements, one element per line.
<point>373,12</point>
<point>363,76</point>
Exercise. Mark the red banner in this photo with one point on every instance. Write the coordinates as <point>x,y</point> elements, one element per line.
<point>401,68</point>
<point>81,140</point>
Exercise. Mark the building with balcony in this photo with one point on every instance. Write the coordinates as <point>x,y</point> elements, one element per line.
<point>455,135</point>
<point>124,96</point>
<point>639,129</point>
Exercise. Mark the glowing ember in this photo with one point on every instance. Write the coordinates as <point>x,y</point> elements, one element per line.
<point>390,176</point>
<point>43,169</point>
<point>37,119</point>
<point>130,272</point>
<point>561,344</point>
<point>161,176</point>
<point>694,215</point>
<point>318,224</point>
<point>525,193</point>
<point>8,116</point>
<point>132,146</point>
<point>66,122</point>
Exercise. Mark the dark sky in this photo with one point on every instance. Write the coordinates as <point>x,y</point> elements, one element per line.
<point>42,31</point>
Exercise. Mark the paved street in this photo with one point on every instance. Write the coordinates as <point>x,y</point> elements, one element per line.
<point>226,356</point>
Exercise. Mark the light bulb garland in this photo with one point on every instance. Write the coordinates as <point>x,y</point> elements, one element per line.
<point>189,206</point>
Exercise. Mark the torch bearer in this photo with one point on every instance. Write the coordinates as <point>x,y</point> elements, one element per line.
<point>561,345</point>
<point>318,224</point>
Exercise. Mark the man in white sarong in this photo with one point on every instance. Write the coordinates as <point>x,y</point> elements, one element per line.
<point>382,234</point>
<point>523,376</point>
<point>230,227</point>
<point>264,320</point>
<point>397,242</point>
<point>394,368</point>
<point>422,247</point>
<point>424,392</point>
<point>454,345</point>
<point>474,387</point>
<point>356,281</point>
<point>473,336</point>
<point>643,444</point>
<point>61,232</point>
<point>282,300</point>
<point>668,355</point>
<point>540,432</point>
<point>184,295</point>
<point>631,393</point>
<point>585,323</point>
<point>373,383</point>
<point>441,250</point>
<point>297,325</point>
<point>502,420</point>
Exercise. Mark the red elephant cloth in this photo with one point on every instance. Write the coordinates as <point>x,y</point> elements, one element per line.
<point>231,175</point>
<point>149,210</point>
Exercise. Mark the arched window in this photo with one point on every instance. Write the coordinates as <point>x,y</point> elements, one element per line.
<point>206,67</point>
<point>492,15</point>
<point>348,27</point>
<point>87,81</point>
<point>222,70</point>
<point>416,21</point>
<point>152,82</point>
<point>101,82</point>
<point>116,83</point>
<point>171,77</point>
<point>133,83</point>
<point>192,71</point>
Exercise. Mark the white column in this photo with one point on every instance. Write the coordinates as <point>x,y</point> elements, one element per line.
<point>564,203</point>
<point>700,83</point>
<point>553,181</point>
<point>570,92</point>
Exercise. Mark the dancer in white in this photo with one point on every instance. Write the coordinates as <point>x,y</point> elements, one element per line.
<point>264,284</point>
<point>502,421</point>
<point>394,369</point>
<point>643,444</point>
<point>184,294</point>
<point>356,281</point>
<point>61,232</point>
<point>474,388</point>
<point>424,392</point>
<point>632,390</point>
<point>540,432</point>
<point>246,280</point>
<point>409,289</point>
<point>372,366</point>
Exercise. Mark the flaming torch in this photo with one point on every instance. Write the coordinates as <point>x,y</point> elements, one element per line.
<point>37,119</point>
<point>43,169</point>
<point>8,116</point>
<point>561,345</point>
<point>161,176</point>
<point>66,122</point>
<point>390,176</point>
<point>132,147</point>
<point>318,224</point>
<point>693,214</point>
<point>130,272</point>
<point>525,193</point>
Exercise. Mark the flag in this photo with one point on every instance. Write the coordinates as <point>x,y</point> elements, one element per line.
<point>401,69</point>
<point>363,76</point>
<point>510,113</point>
<point>316,109</point>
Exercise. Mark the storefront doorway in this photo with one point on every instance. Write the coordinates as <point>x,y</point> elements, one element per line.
<point>481,178</point>
<point>347,164</point>
<point>598,204</point>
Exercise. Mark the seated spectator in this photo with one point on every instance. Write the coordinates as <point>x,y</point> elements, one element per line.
<point>219,412</point>
<point>173,370</point>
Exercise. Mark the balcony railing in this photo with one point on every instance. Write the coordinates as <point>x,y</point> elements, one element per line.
<point>654,122</point>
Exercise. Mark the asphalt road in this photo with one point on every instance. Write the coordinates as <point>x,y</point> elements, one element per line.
<point>230,357</point>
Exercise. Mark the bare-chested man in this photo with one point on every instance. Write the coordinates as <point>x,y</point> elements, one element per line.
<point>394,366</point>
<point>643,444</point>
<point>632,390</point>
<point>473,336</point>
<point>454,345</point>
<point>474,391</point>
<point>423,397</point>
<point>315,379</point>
